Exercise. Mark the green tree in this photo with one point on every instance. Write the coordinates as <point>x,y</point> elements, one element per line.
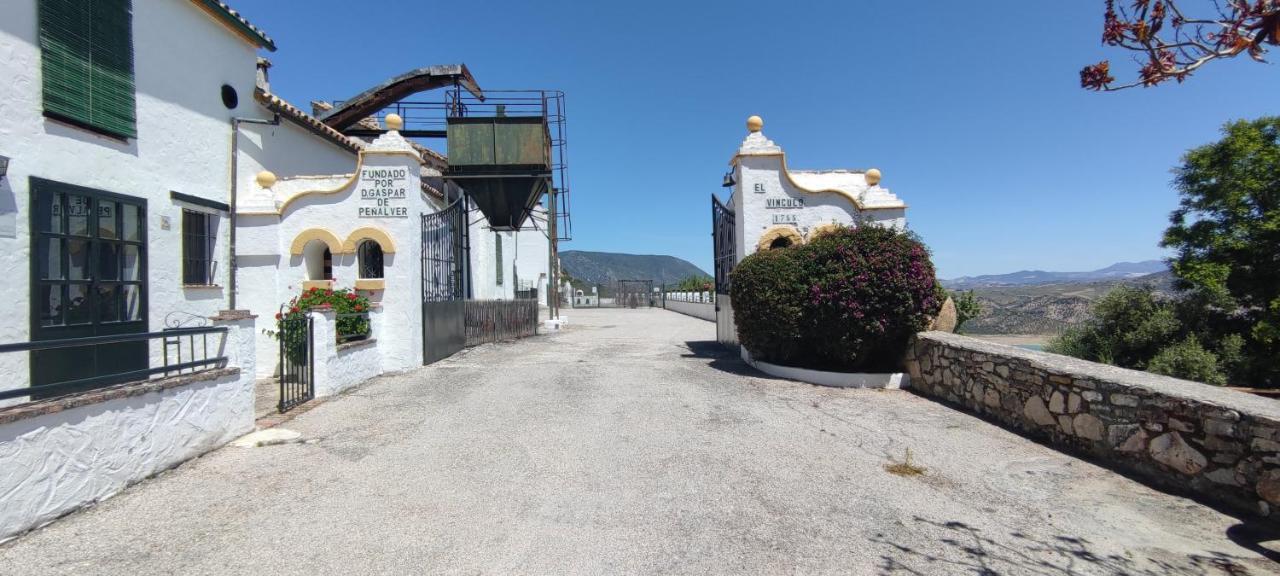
<point>967,307</point>
<point>695,283</point>
<point>1226,238</point>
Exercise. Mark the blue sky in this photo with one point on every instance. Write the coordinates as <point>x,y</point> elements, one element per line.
<point>974,114</point>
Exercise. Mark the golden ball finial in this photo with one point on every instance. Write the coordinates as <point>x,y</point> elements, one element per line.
<point>755,123</point>
<point>873,177</point>
<point>266,179</point>
<point>394,122</point>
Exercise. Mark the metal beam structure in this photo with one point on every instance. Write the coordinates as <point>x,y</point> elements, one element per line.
<point>369,102</point>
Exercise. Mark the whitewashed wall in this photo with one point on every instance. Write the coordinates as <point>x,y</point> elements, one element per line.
<point>532,259</point>
<point>55,463</point>
<point>762,176</point>
<point>341,367</point>
<point>270,275</point>
<point>182,58</point>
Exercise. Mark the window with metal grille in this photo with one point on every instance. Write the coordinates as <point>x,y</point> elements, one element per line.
<point>369,254</point>
<point>497,253</point>
<point>199,232</point>
<point>86,58</point>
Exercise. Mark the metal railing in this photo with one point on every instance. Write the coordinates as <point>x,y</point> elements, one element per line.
<point>498,320</point>
<point>175,363</point>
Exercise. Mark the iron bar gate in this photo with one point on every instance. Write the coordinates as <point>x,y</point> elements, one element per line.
<point>444,257</point>
<point>297,361</point>
<point>724,242</point>
<point>634,294</point>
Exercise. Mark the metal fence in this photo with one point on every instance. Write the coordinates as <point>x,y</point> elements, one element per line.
<point>297,361</point>
<point>184,350</point>
<point>498,320</point>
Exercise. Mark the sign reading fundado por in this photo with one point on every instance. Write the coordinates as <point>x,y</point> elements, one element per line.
<point>383,192</point>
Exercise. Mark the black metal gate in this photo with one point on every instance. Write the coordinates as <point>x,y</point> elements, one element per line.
<point>634,294</point>
<point>725,253</point>
<point>297,361</point>
<point>724,243</point>
<point>444,255</point>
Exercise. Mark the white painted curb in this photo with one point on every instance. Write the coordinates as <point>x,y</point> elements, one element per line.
<point>892,381</point>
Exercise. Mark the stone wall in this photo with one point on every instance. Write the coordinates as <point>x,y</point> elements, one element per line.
<point>1220,444</point>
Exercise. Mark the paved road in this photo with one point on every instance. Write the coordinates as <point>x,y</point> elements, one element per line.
<point>628,444</point>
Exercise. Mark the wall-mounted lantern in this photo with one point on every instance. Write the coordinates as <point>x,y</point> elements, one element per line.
<point>4,166</point>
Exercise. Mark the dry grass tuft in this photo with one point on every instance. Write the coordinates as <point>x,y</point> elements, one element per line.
<point>904,468</point>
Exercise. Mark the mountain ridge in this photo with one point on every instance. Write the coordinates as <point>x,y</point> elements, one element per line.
<point>603,268</point>
<point>1117,271</point>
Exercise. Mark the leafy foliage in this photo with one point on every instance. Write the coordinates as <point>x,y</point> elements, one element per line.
<point>346,303</point>
<point>1172,44</point>
<point>695,283</point>
<point>848,300</point>
<point>967,307</point>
<point>1226,236</point>
<point>1133,327</point>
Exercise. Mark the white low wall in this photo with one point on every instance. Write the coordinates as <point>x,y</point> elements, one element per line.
<point>62,454</point>
<point>342,366</point>
<point>703,310</point>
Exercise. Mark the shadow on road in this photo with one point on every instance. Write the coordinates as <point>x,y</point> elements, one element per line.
<point>972,552</point>
<point>720,357</point>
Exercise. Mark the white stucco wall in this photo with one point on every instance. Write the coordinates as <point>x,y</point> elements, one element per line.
<point>270,275</point>
<point>182,58</point>
<point>54,463</point>
<point>810,198</point>
<point>532,258</point>
<point>338,367</point>
<point>701,310</point>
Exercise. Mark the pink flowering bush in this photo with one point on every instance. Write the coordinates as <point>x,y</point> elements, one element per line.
<point>849,300</point>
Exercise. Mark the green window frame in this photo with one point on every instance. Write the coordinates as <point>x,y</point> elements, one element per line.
<point>86,49</point>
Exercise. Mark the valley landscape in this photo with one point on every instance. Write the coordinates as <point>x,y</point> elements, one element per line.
<point>1024,308</point>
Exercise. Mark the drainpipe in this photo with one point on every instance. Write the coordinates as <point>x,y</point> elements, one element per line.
<point>235,161</point>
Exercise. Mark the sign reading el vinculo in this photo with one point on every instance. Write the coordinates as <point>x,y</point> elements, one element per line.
<point>784,202</point>
<point>387,189</point>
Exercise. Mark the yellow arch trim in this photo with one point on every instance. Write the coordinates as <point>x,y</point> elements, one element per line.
<point>329,238</point>
<point>787,173</point>
<point>370,233</point>
<point>776,232</point>
<point>823,229</point>
<point>343,186</point>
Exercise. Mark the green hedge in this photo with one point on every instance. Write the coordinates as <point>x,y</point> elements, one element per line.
<point>849,300</point>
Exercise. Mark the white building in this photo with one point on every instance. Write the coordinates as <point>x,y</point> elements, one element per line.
<point>775,206</point>
<point>771,206</point>
<point>141,147</point>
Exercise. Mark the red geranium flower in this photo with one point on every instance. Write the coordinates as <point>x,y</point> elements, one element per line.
<point>279,315</point>
<point>359,307</point>
<point>351,296</point>
<point>328,292</point>
<point>314,289</point>
<point>293,310</point>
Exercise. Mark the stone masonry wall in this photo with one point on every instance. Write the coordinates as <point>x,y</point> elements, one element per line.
<point>1221,444</point>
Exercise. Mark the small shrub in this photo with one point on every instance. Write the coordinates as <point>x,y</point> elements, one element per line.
<point>342,301</point>
<point>1188,360</point>
<point>848,300</point>
<point>768,295</point>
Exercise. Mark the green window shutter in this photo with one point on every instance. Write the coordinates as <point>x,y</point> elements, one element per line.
<point>87,62</point>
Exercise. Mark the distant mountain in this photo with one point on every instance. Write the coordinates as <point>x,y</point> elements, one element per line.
<point>1119,271</point>
<point>603,268</point>
<point>1048,308</point>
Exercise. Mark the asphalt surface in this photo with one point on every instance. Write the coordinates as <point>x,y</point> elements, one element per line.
<point>630,444</point>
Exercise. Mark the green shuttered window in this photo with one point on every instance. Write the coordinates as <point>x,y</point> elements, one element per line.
<point>87,63</point>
